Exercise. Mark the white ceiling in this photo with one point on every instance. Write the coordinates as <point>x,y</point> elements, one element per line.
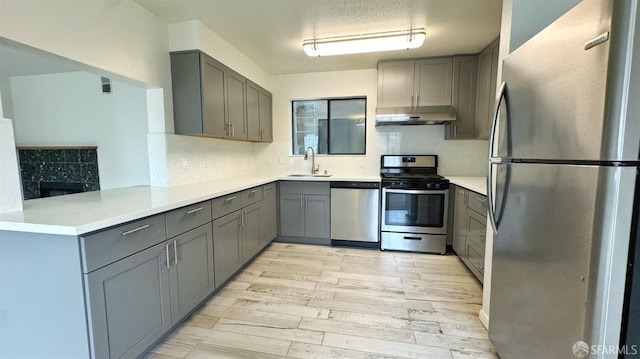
<point>270,32</point>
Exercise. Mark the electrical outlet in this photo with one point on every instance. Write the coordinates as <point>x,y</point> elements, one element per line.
<point>185,164</point>
<point>468,161</point>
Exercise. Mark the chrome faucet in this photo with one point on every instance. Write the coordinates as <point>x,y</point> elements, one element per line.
<point>314,168</point>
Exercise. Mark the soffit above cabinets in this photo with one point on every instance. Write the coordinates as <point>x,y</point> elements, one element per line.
<point>270,32</point>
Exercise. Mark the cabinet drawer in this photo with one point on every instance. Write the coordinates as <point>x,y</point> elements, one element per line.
<point>478,203</point>
<point>186,218</point>
<point>224,205</point>
<point>252,195</point>
<point>108,246</point>
<point>476,227</point>
<point>300,187</point>
<point>475,261</point>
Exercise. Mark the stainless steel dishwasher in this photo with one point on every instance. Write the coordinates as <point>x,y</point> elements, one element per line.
<point>355,213</point>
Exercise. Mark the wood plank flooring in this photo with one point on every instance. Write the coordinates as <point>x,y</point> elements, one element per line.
<point>305,301</point>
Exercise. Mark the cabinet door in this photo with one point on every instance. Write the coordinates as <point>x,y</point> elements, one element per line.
<point>460,221</point>
<point>291,215</point>
<point>236,100</point>
<point>396,83</point>
<point>251,231</point>
<point>187,92</point>
<point>191,270</point>
<point>464,96</point>
<point>214,88</point>
<point>433,82</point>
<point>129,304</point>
<point>268,218</point>
<point>317,216</point>
<point>266,121</point>
<point>483,93</point>
<point>253,112</point>
<point>226,246</point>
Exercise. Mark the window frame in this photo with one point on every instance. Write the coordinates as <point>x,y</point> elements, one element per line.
<point>328,100</point>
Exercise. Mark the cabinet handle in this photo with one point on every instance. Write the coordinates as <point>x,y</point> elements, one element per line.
<point>125,233</point>
<point>175,252</point>
<point>254,191</point>
<point>233,130</point>
<point>301,199</point>
<point>417,101</point>
<point>482,200</point>
<point>195,210</point>
<point>229,199</point>
<point>455,131</point>
<point>481,233</point>
<point>166,249</point>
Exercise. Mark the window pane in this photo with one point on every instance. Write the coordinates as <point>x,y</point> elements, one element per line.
<point>310,126</point>
<point>347,126</point>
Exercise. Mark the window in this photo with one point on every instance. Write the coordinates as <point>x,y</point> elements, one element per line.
<point>330,126</point>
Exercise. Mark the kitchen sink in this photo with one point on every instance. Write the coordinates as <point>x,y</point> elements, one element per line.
<point>310,175</point>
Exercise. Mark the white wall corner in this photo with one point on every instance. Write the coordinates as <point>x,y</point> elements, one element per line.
<point>158,169</point>
<point>157,121</point>
<point>11,194</point>
<point>184,36</point>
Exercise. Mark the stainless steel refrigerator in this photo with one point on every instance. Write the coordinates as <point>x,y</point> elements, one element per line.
<point>564,158</point>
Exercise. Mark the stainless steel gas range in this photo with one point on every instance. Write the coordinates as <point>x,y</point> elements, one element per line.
<point>414,204</point>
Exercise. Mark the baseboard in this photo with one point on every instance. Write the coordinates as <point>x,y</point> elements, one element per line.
<point>303,240</point>
<point>484,318</point>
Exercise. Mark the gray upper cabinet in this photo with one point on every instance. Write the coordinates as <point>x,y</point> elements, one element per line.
<point>433,82</point>
<point>236,100</point>
<point>254,131</point>
<point>210,99</point>
<point>464,98</point>
<point>395,83</point>
<point>191,270</point>
<point>266,118</point>
<point>415,83</point>
<point>487,84</point>
<point>199,85</point>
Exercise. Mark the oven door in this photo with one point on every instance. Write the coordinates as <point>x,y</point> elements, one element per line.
<point>414,211</point>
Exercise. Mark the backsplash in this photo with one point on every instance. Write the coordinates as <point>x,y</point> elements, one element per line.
<point>58,164</point>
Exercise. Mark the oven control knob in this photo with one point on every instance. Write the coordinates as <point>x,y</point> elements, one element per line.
<point>430,185</point>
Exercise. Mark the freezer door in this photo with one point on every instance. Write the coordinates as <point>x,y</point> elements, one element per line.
<point>541,255</point>
<point>556,88</point>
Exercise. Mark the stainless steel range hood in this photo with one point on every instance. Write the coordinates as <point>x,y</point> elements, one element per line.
<point>425,115</point>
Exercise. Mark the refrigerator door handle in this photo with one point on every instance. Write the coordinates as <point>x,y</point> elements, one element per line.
<point>492,137</point>
<point>502,93</point>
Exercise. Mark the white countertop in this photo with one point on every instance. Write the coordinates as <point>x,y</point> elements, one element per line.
<point>476,184</point>
<point>86,212</point>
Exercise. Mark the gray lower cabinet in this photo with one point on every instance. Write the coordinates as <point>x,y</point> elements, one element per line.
<point>459,221</point>
<point>226,248</point>
<point>251,231</point>
<point>191,270</point>
<point>129,303</point>
<point>268,215</point>
<point>305,210</point>
<point>470,229</point>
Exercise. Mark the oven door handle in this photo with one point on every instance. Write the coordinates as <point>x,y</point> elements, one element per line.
<point>415,191</point>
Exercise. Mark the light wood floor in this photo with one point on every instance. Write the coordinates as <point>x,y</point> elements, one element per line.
<point>304,301</point>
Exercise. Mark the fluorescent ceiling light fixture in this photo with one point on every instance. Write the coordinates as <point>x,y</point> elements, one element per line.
<point>356,44</point>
